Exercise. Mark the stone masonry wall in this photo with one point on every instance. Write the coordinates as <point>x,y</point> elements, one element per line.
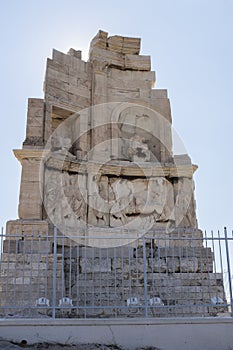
<point>97,163</point>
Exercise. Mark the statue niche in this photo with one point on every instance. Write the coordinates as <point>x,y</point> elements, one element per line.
<point>136,135</point>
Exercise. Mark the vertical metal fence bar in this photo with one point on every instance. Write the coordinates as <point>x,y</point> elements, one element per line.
<point>180,273</point>
<point>151,259</point>
<point>215,265</point>
<point>63,265</point>
<point>208,269</point>
<point>77,280</point>
<point>54,272</point>
<point>203,284</point>
<point>47,265</point>
<point>30,267</point>
<point>145,275</point>
<point>108,266</point>
<point>100,275</point>
<point>139,267</point>
<point>15,270</point>
<point>1,245</point>
<point>136,258</point>
<point>7,277</point>
<point>93,279</point>
<point>23,272</point>
<point>220,252</point>
<point>1,252</point>
<point>85,276</point>
<point>193,241</point>
<point>115,283</point>
<point>38,269</point>
<point>161,281</point>
<point>221,266</point>
<point>229,269</point>
<point>70,270</point>
<point>186,256</point>
<point>122,278</point>
<point>174,283</point>
<point>129,270</point>
<point>166,294</point>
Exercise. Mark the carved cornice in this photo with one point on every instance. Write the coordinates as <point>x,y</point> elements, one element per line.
<point>119,168</point>
<point>115,168</point>
<point>21,154</point>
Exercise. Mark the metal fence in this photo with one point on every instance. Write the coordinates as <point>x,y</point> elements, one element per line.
<point>176,274</point>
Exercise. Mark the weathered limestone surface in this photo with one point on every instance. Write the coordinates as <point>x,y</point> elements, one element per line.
<point>97,160</point>
<point>35,122</point>
<point>21,227</point>
<point>130,136</point>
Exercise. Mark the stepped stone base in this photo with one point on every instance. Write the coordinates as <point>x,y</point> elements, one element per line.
<point>99,281</point>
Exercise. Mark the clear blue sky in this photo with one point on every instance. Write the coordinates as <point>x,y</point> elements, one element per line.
<point>191,45</point>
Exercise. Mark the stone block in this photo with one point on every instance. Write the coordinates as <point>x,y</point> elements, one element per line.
<point>57,84</point>
<point>75,53</point>
<point>131,46</point>
<point>56,66</point>
<point>78,100</point>
<point>78,65</point>
<point>123,266</point>
<point>189,265</point>
<point>124,45</point>
<point>125,75</point>
<point>31,170</point>
<point>125,93</point>
<point>56,93</point>
<point>85,75</point>
<point>136,62</point>
<point>19,228</point>
<point>61,57</point>
<point>144,93</point>
<point>100,40</point>
<point>71,60</point>
<point>100,84</point>
<point>159,93</point>
<point>34,246</point>
<point>54,74</point>
<point>23,280</point>
<point>10,246</point>
<point>80,91</point>
<point>95,265</point>
<point>131,85</point>
<point>111,58</point>
<point>117,252</point>
<point>162,106</point>
<point>35,120</point>
<point>30,202</point>
<point>68,60</point>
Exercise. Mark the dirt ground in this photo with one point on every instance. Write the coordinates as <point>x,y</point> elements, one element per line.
<point>5,345</point>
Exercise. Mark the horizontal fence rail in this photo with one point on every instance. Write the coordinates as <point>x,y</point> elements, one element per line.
<point>157,274</point>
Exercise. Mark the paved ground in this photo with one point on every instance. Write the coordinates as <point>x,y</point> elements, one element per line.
<point>5,345</point>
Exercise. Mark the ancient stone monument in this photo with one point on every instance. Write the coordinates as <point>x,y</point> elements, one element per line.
<point>97,163</point>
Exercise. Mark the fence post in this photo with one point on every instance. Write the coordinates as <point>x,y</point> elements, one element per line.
<point>54,272</point>
<point>1,243</point>
<point>228,269</point>
<point>145,275</point>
